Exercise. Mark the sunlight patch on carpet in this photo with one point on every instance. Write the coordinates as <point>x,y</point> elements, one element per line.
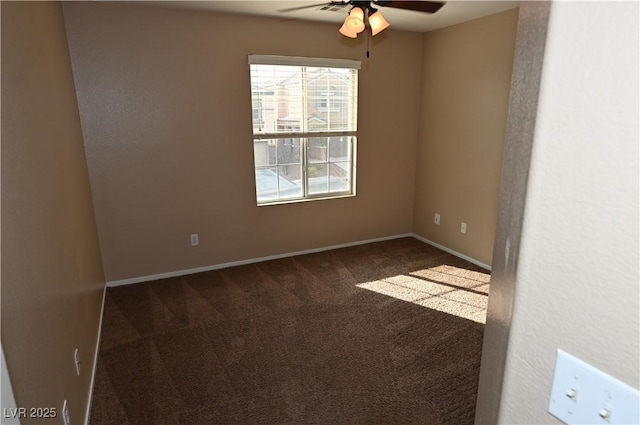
<point>444,288</point>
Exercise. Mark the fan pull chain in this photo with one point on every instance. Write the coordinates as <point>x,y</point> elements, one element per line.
<point>368,40</point>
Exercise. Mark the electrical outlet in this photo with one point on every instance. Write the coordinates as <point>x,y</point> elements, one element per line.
<point>76,359</point>
<point>463,227</point>
<point>65,413</point>
<point>436,219</point>
<point>194,239</point>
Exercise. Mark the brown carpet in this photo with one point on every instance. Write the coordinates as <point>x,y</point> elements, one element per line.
<point>362,335</point>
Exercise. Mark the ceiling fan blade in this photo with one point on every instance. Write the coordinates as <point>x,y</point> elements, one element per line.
<point>418,6</point>
<point>310,6</point>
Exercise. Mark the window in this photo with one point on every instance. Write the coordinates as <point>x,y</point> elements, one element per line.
<point>304,127</point>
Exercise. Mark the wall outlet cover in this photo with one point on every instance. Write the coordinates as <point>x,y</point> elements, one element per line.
<point>76,359</point>
<point>66,420</point>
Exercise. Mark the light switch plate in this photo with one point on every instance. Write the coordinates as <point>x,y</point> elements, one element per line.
<point>582,394</point>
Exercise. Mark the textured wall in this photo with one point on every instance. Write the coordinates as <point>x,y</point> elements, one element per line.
<point>52,280</point>
<point>576,286</point>
<point>165,105</point>
<point>464,100</point>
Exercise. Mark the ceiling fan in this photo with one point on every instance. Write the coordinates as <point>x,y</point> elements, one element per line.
<point>363,12</point>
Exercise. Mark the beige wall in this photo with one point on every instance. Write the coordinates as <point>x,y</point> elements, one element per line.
<point>576,285</point>
<point>164,98</point>
<point>52,280</point>
<point>464,101</point>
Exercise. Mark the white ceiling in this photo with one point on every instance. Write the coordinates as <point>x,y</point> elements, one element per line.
<point>453,12</point>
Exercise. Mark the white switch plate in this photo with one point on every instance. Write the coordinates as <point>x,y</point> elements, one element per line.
<point>194,239</point>
<point>582,394</point>
<point>463,227</point>
<point>436,219</point>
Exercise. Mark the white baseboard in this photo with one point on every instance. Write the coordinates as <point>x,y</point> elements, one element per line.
<point>452,252</point>
<point>249,261</point>
<point>290,254</point>
<point>95,358</point>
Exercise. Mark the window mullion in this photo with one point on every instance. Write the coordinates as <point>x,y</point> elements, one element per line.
<point>353,102</point>
<point>285,135</point>
<point>304,127</point>
<point>305,182</point>
<point>277,171</point>
<point>328,89</point>
<point>352,160</point>
<point>304,120</point>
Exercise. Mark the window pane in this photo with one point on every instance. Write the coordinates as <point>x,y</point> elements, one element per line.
<point>279,165</point>
<point>317,176</point>
<point>331,99</point>
<point>289,181</point>
<point>317,149</point>
<point>264,153</point>
<point>276,98</point>
<point>278,183</point>
<point>340,176</point>
<point>289,151</point>
<point>340,148</point>
<point>266,184</point>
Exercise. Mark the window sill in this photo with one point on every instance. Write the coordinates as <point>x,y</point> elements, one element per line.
<point>297,201</point>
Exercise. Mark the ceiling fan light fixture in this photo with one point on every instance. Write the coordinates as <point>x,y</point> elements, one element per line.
<point>377,22</point>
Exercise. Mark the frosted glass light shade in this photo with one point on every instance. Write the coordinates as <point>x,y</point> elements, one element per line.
<point>378,23</point>
<point>357,13</point>
<point>355,20</point>
<point>344,30</point>
<point>354,25</point>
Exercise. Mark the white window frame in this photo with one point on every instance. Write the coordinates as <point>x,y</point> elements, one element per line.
<point>305,134</point>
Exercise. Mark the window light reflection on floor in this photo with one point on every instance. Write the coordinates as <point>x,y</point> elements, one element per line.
<point>444,288</point>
